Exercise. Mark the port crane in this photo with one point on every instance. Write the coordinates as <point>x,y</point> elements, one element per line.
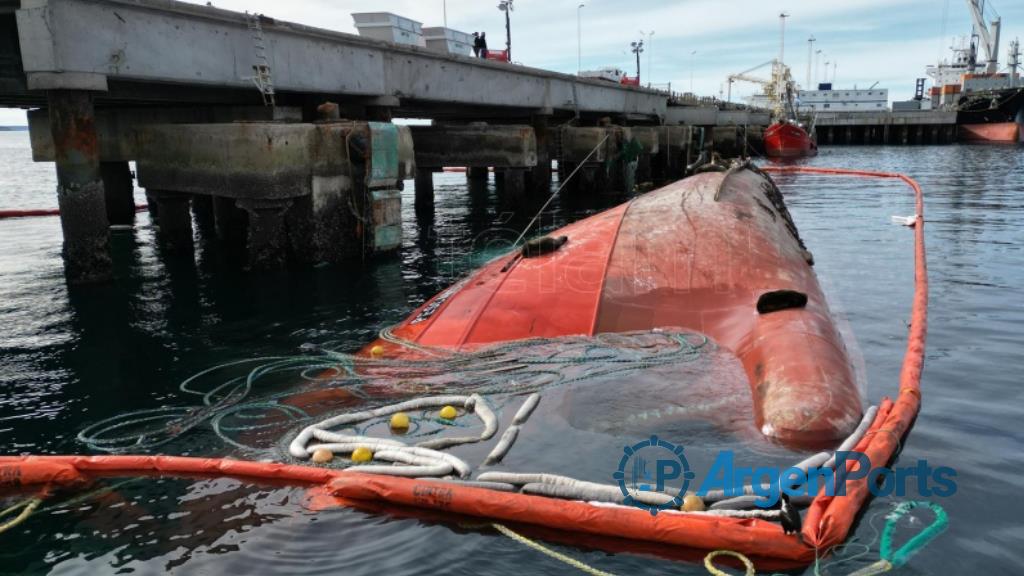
<point>779,89</point>
<point>988,36</point>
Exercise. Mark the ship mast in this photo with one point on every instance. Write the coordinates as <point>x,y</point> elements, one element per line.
<point>1014,62</point>
<point>780,67</point>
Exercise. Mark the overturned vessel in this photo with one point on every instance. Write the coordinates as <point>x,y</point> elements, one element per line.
<point>717,253</point>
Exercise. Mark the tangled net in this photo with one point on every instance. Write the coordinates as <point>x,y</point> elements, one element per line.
<point>329,377</point>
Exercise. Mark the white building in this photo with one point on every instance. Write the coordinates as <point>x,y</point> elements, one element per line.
<point>842,100</point>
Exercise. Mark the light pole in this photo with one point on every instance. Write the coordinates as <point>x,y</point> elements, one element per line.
<point>637,48</point>
<point>827,62</point>
<point>810,51</point>
<point>817,66</point>
<point>579,39</point>
<point>692,54</point>
<point>649,75</point>
<point>780,89</point>
<point>835,64</point>
<point>506,7</point>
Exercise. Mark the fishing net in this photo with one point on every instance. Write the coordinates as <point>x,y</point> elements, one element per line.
<point>253,405</point>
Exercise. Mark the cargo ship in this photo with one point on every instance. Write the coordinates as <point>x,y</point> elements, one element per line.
<point>989,103</point>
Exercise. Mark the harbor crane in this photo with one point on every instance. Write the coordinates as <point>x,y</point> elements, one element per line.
<point>745,76</point>
<point>779,89</point>
<point>989,37</point>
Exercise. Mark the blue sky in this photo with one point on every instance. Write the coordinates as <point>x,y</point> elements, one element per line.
<point>884,41</point>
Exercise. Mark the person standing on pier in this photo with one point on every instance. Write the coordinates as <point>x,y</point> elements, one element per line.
<point>483,45</point>
<point>476,44</point>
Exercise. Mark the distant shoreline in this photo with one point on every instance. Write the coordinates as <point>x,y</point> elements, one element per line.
<point>13,128</point>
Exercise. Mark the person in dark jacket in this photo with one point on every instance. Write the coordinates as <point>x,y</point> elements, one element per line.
<point>483,45</point>
<point>476,44</point>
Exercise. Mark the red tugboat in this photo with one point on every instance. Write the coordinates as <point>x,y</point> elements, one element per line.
<point>788,140</point>
<point>786,137</point>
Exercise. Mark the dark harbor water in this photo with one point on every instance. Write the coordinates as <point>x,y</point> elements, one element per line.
<point>69,358</point>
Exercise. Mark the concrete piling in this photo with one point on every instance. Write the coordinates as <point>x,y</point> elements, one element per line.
<point>424,189</point>
<point>231,225</point>
<point>266,237</point>
<point>539,178</point>
<point>202,212</point>
<point>80,194</point>
<point>119,192</point>
<point>175,229</point>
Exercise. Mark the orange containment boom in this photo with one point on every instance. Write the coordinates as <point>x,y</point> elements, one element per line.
<point>826,524</point>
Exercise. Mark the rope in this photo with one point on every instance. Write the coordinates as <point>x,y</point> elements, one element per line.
<point>585,568</point>
<point>709,564</point>
<point>27,507</point>
<point>561,185</point>
<point>915,544</point>
<point>518,367</point>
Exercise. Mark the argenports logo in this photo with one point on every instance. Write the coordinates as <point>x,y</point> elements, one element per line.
<point>653,465</point>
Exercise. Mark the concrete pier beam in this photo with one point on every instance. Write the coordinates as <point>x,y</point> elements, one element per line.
<point>80,195</point>
<point>350,170</point>
<point>266,237</point>
<point>424,189</point>
<point>175,230</point>
<point>119,192</point>
<point>475,145</point>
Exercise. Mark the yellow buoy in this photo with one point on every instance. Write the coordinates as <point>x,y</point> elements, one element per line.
<point>400,422</point>
<point>692,503</point>
<point>362,454</point>
<point>322,456</point>
<point>377,351</point>
<point>449,413</point>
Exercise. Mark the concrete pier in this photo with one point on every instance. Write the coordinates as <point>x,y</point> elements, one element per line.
<point>80,192</point>
<point>305,179</point>
<point>887,128</point>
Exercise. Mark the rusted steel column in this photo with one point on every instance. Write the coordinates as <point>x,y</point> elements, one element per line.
<point>175,231</point>
<point>83,215</point>
<point>424,189</point>
<point>119,192</point>
<point>267,240</point>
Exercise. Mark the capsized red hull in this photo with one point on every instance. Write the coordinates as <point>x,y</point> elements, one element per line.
<point>699,254</point>
<point>785,140</point>
<point>994,132</point>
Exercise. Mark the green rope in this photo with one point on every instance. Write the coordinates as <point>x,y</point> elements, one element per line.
<point>912,546</point>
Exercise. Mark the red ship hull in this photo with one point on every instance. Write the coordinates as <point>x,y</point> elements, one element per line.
<point>995,132</point>
<point>788,141</point>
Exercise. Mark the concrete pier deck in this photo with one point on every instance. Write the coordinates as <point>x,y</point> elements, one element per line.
<point>886,127</point>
